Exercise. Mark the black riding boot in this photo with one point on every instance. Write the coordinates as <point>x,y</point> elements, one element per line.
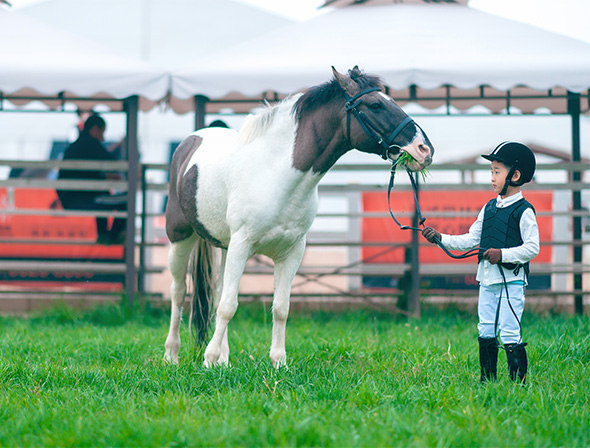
<point>517,361</point>
<point>488,358</point>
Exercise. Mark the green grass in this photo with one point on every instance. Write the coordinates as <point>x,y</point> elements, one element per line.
<point>354,379</point>
<point>404,159</point>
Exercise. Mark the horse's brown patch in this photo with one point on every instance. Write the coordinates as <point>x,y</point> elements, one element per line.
<point>178,228</point>
<point>188,203</point>
<point>316,146</point>
<point>181,209</point>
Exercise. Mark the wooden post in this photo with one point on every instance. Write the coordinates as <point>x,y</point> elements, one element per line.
<point>131,106</point>
<point>414,294</point>
<point>573,106</point>
<point>200,111</point>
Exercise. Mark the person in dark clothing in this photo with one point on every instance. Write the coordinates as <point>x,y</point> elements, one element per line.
<point>89,146</point>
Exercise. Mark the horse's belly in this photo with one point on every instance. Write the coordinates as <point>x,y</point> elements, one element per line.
<point>273,233</point>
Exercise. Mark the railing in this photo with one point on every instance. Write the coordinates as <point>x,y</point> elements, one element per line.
<point>333,268</point>
<point>341,277</point>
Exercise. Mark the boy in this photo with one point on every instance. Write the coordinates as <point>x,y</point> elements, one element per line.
<point>507,233</point>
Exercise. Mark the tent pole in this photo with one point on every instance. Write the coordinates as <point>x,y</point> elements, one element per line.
<point>200,111</point>
<point>574,111</point>
<point>131,106</point>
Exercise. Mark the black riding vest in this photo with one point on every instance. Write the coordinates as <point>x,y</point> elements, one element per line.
<point>501,229</point>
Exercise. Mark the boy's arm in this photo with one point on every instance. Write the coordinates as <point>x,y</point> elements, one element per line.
<point>529,249</point>
<point>466,241</point>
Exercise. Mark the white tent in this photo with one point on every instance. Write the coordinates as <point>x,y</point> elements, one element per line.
<point>423,45</point>
<point>38,61</point>
<point>167,33</point>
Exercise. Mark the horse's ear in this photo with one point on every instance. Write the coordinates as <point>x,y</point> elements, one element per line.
<point>347,84</point>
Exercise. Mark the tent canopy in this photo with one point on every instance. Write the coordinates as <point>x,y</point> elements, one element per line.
<point>167,33</point>
<point>436,47</point>
<point>39,61</point>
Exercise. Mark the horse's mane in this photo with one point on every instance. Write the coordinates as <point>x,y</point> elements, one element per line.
<point>322,94</point>
<point>256,124</point>
<point>304,104</point>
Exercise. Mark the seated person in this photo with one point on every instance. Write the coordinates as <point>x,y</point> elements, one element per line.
<point>89,146</point>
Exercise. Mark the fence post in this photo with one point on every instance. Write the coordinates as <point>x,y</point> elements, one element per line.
<point>573,106</point>
<point>200,111</point>
<point>142,239</point>
<point>131,106</point>
<point>414,295</point>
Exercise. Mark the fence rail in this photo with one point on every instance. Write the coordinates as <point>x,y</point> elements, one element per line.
<point>150,240</point>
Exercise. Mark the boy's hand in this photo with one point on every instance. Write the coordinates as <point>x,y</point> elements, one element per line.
<point>430,234</point>
<point>493,255</point>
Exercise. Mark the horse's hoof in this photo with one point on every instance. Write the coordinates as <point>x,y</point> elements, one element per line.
<point>279,361</point>
<point>211,358</point>
<point>170,358</point>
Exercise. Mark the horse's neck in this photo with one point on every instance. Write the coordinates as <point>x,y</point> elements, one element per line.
<point>319,143</point>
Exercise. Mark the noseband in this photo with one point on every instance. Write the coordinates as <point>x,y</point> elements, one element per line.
<point>352,102</point>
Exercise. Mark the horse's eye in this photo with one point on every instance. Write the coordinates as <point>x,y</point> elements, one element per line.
<point>375,106</point>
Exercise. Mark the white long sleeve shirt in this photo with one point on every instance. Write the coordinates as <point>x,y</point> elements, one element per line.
<point>488,274</point>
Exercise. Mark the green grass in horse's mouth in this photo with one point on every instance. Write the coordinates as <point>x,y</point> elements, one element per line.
<point>405,158</point>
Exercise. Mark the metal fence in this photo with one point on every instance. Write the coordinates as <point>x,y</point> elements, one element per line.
<point>339,264</point>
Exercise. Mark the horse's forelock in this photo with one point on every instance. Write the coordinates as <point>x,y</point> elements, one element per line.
<point>364,80</point>
<point>320,95</point>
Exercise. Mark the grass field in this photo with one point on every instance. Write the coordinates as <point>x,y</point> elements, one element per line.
<point>361,379</point>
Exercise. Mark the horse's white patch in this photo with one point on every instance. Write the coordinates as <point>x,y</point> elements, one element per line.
<point>386,97</point>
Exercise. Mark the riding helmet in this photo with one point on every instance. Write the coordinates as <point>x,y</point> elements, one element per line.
<point>516,155</point>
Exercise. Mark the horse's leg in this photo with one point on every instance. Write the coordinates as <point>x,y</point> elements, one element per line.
<point>238,253</point>
<point>178,258</point>
<point>285,270</point>
<point>224,355</point>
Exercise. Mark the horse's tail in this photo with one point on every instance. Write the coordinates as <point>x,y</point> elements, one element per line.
<point>204,282</point>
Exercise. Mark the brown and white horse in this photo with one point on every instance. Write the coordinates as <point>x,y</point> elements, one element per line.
<point>255,192</point>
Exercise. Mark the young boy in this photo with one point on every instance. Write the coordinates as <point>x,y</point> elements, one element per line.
<point>507,233</point>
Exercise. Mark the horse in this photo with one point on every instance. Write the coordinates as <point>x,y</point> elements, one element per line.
<point>256,192</point>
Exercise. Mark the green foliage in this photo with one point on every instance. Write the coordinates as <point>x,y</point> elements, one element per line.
<point>96,378</point>
<point>405,158</point>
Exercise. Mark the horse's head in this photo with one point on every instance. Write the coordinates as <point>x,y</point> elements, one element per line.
<point>374,123</point>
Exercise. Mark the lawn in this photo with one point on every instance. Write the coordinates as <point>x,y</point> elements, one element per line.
<point>96,378</point>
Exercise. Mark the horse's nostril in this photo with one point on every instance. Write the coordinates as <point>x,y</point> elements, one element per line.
<point>425,149</point>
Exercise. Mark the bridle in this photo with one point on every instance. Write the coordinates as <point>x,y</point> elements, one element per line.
<point>352,103</point>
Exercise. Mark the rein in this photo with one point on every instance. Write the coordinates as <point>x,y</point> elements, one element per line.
<point>352,102</point>
<point>421,219</point>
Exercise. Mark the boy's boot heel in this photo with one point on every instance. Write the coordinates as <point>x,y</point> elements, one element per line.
<point>517,361</point>
<point>488,358</point>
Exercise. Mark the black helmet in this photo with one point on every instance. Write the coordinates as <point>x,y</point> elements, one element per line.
<point>517,156</point>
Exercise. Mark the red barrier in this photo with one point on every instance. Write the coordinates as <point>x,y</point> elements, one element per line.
<point>384,229</point>
<point>56,228</point>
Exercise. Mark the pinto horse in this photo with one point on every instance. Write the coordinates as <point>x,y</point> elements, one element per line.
<point>255,192</point>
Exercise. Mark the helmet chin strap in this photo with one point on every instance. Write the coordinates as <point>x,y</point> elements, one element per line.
<point>508,182</point>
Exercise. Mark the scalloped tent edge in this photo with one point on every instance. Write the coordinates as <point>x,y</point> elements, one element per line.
<point>43,63</point>
<point>454,55</point>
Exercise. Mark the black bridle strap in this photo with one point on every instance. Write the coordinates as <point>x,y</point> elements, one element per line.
<point>370,129</point>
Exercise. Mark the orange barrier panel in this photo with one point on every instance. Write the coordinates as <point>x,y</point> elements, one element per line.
<point>385,229</point>
<point>58,228</point>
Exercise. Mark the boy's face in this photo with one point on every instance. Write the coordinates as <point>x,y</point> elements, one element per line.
<point>499,173</point>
